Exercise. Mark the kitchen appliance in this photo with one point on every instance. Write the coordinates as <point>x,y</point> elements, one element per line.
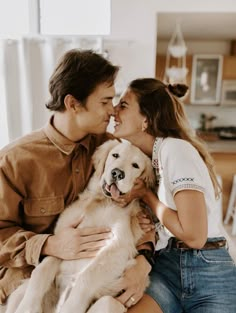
<point>228,94</point>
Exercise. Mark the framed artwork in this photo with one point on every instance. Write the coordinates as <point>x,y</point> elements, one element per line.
<point>206,79</point>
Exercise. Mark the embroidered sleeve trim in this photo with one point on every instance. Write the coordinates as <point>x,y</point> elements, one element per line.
<point>188,187</point>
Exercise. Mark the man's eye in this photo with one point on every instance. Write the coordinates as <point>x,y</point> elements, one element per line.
<point>135,165</point>
<point>115,155</point>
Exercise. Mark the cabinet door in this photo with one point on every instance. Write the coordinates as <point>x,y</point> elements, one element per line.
<point>229,68</point>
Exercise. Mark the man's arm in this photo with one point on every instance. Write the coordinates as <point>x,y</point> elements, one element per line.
<point>18,247</point>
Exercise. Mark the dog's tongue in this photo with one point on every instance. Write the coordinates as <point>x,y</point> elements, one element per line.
<point>115,192</point>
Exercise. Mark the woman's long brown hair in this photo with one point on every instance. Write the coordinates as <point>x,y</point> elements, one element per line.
<point>166,117</point>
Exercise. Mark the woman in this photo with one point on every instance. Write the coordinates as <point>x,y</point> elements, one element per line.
<point>193,271</point>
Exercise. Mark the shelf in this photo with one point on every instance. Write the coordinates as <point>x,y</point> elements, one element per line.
<point>222,146</point>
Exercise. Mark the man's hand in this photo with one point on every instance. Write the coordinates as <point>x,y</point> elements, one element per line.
<point>134,282</point>
<point>75,243</point>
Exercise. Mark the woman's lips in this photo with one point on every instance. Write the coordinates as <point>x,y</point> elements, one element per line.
<point>117,123</point>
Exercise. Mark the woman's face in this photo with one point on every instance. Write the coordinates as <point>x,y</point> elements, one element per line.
<point>129,122</point>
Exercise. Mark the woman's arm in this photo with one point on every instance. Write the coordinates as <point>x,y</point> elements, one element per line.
<point>189,222</point>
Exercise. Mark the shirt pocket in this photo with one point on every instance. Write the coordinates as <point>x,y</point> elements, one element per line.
<point>47,206</point>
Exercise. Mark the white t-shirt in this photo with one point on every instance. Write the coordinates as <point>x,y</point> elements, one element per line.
<point>179,166</point>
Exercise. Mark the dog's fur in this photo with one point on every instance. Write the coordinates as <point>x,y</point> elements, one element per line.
<point>79,283</point>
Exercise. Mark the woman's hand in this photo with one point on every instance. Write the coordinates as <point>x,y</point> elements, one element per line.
<point>138,191</point>
<point>145,222</point>
<point>134,282</point>
<point>75,243</point>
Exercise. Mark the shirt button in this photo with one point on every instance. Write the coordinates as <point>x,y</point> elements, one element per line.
<point>77,170</point>
<point>42,210</point>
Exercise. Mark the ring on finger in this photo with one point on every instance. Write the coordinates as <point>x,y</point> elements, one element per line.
<point>130,302</point>
<point>132,299</point>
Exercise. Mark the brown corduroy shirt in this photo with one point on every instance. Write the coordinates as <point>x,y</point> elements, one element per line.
<point>40,174</point>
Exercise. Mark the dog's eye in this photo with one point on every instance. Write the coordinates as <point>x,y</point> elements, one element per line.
<point>115,155</point>
<point>135,165</point>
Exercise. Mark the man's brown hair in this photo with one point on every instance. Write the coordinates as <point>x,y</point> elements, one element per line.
<point>78,73</point>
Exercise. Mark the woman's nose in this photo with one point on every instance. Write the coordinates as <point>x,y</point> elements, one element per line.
<point>111,109</point>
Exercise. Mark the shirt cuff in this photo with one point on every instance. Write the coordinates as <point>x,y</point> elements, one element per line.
<point>147,238</point>
<point>33,249</point>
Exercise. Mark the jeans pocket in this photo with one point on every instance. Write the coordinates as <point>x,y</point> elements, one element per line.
<point>220,255</point>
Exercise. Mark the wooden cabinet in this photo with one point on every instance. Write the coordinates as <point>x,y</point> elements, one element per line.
<point>161,63</point>
<point>229,67</point>
<point>226,167</point>
<point>160,71</point>
<point>229,70</point>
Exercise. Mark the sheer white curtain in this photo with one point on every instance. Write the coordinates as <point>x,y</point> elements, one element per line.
<point>25,68</point>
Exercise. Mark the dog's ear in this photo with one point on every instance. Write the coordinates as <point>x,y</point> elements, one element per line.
<point>148,175</point>
<point>100,155</point>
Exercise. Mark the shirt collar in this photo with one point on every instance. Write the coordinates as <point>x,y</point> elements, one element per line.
<point>155,152</point>
<point>64,144</point>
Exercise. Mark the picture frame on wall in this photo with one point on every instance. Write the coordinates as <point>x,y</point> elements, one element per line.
<point>206,79</point>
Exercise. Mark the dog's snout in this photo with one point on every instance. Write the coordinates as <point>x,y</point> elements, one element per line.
<point>117,174</point>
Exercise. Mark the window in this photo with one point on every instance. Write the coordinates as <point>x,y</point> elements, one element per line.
<point>20,18</point>
<point>75,17</point>
<point>54,17</point>
<point>14,18</point>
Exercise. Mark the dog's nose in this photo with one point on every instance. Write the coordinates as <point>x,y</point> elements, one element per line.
<point>117,174</point>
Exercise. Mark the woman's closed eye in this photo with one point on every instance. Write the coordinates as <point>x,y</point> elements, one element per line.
<point>122,105</point>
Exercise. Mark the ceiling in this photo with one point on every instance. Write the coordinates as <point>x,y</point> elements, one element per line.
<point>198,26</point>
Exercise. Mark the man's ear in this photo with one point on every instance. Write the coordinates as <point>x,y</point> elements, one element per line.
<point>71,104</point>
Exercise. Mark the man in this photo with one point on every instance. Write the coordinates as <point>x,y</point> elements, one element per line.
<point>43,172</point>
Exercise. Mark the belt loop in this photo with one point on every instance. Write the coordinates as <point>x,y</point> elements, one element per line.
<point>169,245</point>
<point>227,245</point>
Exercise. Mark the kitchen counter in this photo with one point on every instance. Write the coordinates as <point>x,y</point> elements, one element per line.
<point>221,146</point>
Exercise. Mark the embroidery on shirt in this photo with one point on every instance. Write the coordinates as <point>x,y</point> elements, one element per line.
<point>183,179</point>
<point>189,187</point>
<point>155,162</point>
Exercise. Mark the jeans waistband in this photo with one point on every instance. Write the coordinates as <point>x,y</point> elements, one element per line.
<point>209,245</point>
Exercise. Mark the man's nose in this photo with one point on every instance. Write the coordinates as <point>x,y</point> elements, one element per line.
<point>111,109</point>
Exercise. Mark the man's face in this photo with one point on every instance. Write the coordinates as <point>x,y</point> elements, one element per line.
<point>95,116</point>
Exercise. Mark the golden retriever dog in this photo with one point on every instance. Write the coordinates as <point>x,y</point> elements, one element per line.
<point>58,286</point>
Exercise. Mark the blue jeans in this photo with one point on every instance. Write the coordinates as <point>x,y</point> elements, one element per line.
<point>199,281</point>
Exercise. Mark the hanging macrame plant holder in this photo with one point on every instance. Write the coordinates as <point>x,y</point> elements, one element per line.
<point>176,70</point>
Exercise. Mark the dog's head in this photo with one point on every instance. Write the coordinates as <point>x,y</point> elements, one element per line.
<point>118,164</point>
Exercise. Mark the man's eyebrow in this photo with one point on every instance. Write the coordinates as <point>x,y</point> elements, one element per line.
<point>107,98</point>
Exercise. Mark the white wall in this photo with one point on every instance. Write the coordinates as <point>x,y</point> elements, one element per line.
<point>132,43</point>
